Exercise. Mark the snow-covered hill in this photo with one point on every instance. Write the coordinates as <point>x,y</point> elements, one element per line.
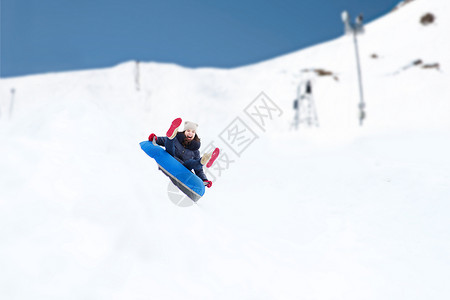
<point>334,212</point>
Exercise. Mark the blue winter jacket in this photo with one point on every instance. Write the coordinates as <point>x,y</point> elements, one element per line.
<point>185,153</point>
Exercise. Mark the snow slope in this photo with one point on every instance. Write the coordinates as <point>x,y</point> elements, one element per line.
<point>335,212</point>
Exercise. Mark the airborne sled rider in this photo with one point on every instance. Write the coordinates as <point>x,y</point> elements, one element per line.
<point>184,146</point>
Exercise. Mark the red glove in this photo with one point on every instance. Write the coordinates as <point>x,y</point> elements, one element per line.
<point>207,183</point>
<point>151,137</point>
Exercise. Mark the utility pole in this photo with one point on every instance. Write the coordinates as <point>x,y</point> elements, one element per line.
<point>11,103</point>
<point>355,29</point>
<point>137,76</point>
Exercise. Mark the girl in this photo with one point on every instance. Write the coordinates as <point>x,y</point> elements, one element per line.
<point>184,147</point>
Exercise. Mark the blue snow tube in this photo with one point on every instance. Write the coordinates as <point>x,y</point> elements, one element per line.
<point>184,179</point>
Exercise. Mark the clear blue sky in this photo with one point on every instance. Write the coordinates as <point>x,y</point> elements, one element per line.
<point>40,36</point>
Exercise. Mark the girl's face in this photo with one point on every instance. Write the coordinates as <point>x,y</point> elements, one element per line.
<point>190,134</point>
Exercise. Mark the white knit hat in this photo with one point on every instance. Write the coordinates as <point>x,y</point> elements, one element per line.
<point>190,125</point>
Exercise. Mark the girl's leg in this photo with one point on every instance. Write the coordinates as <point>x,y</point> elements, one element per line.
<point>193,164</point>
<point>171,133</point>
<point>170,146</point>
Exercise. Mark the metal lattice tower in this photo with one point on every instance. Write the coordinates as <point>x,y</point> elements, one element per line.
<point>304,106</point>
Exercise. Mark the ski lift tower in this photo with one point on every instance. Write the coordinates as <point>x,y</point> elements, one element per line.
<point>355,29</point>
<point>304,106</point>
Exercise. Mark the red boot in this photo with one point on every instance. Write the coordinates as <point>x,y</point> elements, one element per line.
<point>209,158</point>
<point>173,130</point>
